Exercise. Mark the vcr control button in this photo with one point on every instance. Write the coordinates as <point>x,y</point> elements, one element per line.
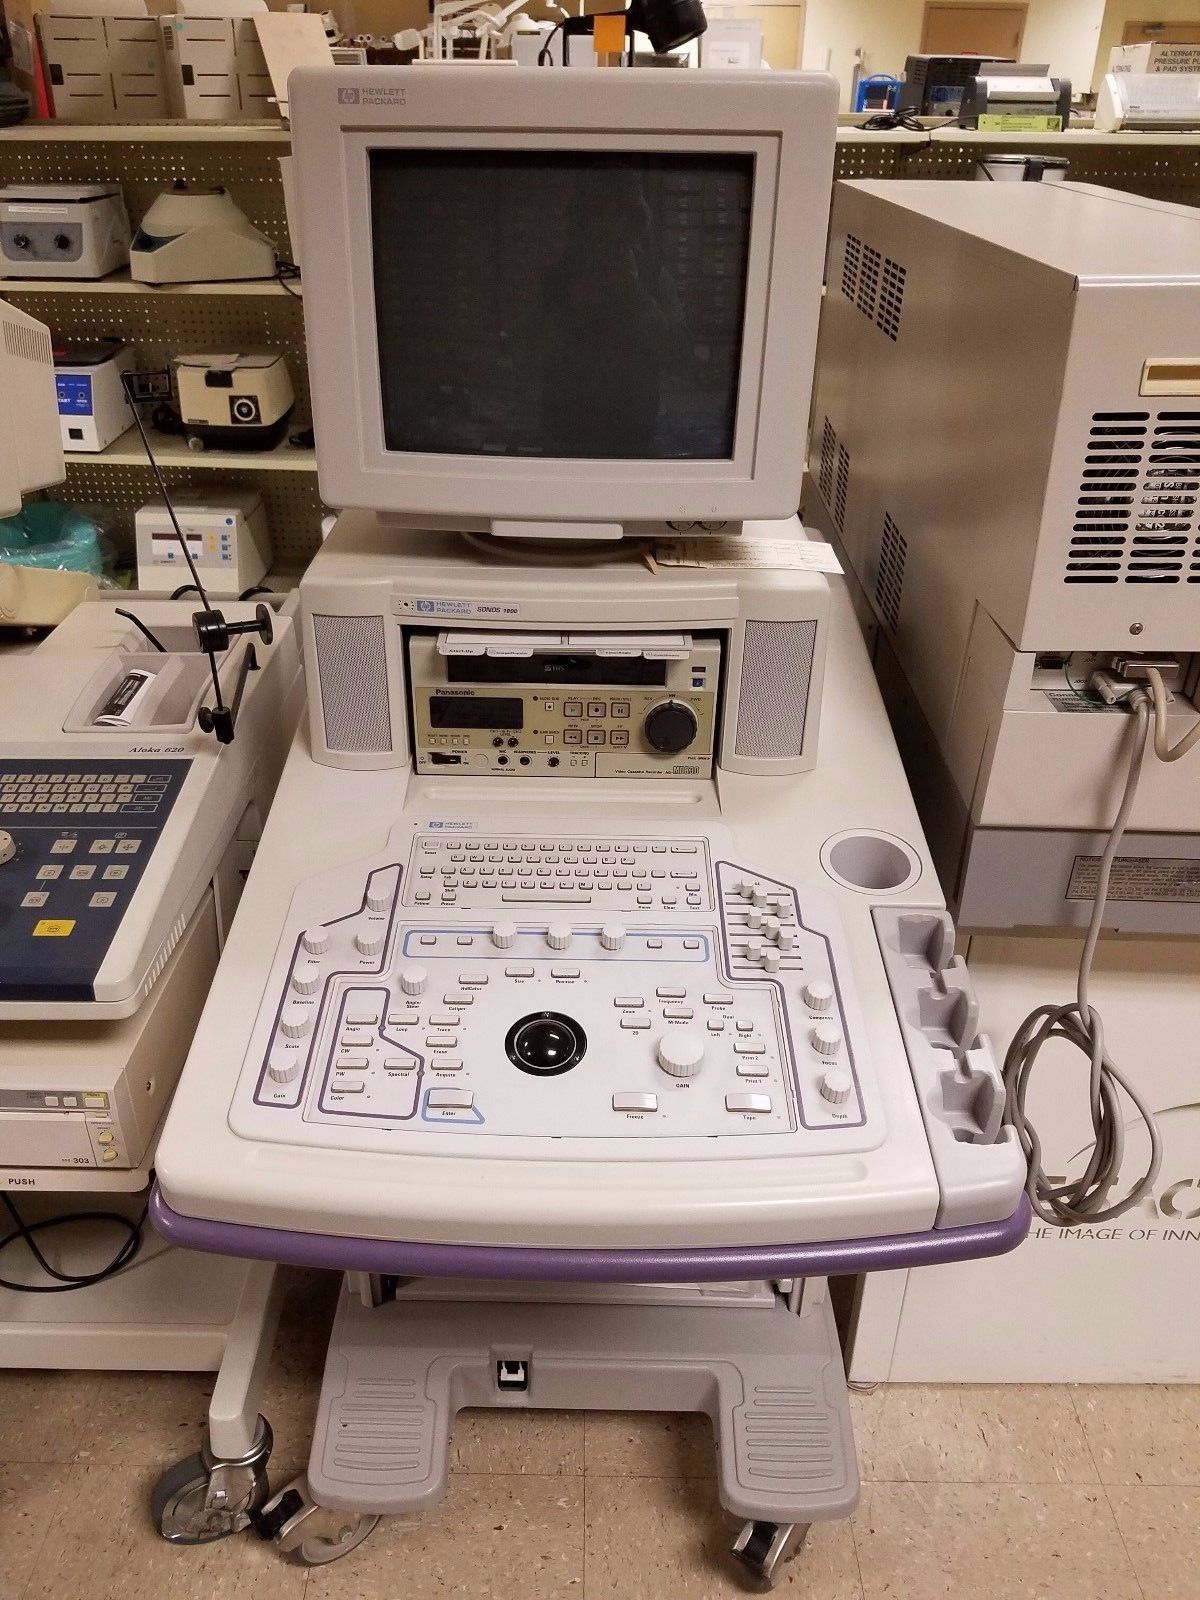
<point>747,1102</point>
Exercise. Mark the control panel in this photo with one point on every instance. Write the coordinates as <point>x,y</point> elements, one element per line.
<point>75,840</point>
<point>584,1024</point>
<point>561,704</point>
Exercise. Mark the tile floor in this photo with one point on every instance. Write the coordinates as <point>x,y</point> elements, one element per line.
<point>968,1494</point>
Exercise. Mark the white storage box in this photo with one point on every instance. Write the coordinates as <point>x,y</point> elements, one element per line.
<point>216,71</point>
<point>103,68</point>
<point>1116,1303</point>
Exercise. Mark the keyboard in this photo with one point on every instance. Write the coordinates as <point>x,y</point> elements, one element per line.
<point>605,871</point>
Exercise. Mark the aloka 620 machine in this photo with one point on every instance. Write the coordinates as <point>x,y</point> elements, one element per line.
<point>593,998</point>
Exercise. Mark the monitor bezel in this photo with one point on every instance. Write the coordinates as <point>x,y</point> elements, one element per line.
<point>784,121</point>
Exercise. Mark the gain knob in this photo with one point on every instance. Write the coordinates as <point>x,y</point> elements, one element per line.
<point>612,936</point>
<point>670,727</point>
<point>504,935</point>
<point>306,979</point>
<point>760,896</point>
<point>296,1021</point>
<point>8,847</point>
<point>770,959</point>
<point>413,979</point>
<point>785,938</point>
<point>826,1039</point>
<point>558,935</point>
<point>369,941</point>
<point>284,1071</point>
<point>754,918</point>
<point>315,940</point>
<point>379,894</point>
<point>818,996</point>
<point>836,1086</point>
<point>680,1053</point>
<point>771,927</point>
<point>744,887</point>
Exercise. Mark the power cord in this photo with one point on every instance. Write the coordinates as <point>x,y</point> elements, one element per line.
<point>65,1282</point>
<point>1163,750</point>
<point>1082,1201</point>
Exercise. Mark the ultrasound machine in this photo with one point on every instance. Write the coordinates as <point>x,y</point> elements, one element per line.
<point>592,999</point>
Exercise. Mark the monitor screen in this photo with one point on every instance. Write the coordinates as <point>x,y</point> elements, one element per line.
<point>560,303</point>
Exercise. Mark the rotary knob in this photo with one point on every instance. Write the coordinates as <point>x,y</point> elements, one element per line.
<point>670,727</point>
<point>8,847</point>
<point>504,935</point>
<point>818,996</point>
<point>22,241</point>
<point>680,1053</point>
<point>62,241</point>
<point>612,936</point>
<point>306,979</point>
<point>413,979</point>
<point>836,1086</point>
<point>826,1039</point>
<point>369,942</point>
<point>315,940</point>
<point>296,1021</point>
<point>558,935</point>
<point>379,894</point>
<point>286,1070</point>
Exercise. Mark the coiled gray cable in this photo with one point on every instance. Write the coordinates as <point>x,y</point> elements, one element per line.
<point>1082,1200</point>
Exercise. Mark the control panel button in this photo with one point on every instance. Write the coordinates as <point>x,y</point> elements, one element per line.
<point>818,996</point>
<point>413,980</point>
<point>315,940</point>
<point>827,1039</point>
<point>572,708</point>
<point>836,1086</point>
<point>681,1053</point>
<point>450,1099</point>
<point>635,1102</point>
<point>8,846</point>
<point>670,727</point>
<point>748,1102</point>
<point>296,1021</point>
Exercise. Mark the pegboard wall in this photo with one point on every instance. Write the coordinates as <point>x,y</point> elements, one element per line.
<point>1159,171</point>
<point>145,168</point>
<point>292,501</point>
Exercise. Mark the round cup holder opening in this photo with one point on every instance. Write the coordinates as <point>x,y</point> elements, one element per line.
<point>875,863</point>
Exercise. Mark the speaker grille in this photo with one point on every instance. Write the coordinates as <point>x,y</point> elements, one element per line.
<point>352,670</point>
<point>777,662</point>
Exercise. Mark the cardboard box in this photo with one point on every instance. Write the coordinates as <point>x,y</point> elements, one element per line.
<point>1163,57</point>
<point>215,67</point>
<point>102,68</point>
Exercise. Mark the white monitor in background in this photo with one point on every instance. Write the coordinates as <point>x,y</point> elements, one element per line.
<point>30,436</point>
<point>556,303</point>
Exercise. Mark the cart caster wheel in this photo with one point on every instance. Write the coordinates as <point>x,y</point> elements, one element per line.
<point>307,1533</point>
<point>201,1499</point>
<point>764,1549</point>
<point>195,442</point>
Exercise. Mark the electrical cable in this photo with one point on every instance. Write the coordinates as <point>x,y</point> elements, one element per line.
<point>67,1281</point>
<point>287,273</point>
<point>1162,749</point>
<point>543,57</point>
<point>120,611</point>
<point>1081,1201</point>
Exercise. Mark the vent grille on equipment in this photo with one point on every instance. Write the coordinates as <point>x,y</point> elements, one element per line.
<point>874,283</point>
<point>828,457</point>
<point>889,575</point>
<point>841,485</point>
<point>1136,517</point>
<point>26,343</point>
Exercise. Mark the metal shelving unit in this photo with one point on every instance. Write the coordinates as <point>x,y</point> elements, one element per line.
<point>146,159</point>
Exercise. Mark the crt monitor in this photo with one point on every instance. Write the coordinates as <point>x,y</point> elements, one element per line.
<point>538,301</point>
<point>30,434</point>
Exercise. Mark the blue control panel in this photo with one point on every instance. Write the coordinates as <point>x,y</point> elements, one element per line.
<point>75,839</point>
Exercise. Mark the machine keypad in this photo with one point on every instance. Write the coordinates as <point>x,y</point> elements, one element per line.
<point>714,1036</point>
<point>495,872</point>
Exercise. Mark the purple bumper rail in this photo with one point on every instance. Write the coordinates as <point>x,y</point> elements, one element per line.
<point>721,1265</point>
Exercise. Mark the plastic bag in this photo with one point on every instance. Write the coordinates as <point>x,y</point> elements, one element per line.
<point>51,535</point>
